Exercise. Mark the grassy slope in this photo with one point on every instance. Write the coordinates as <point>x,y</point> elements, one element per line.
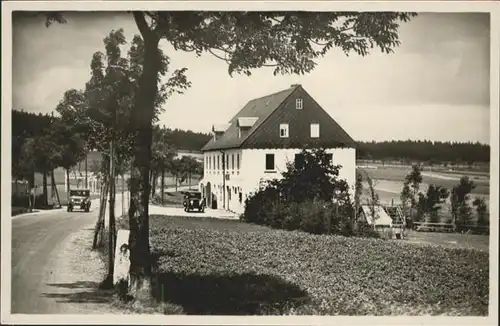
<point>212,266</point>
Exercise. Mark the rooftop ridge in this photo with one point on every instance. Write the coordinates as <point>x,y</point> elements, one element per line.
<point>272,94</point>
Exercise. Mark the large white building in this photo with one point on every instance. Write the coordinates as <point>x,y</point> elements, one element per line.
<point>261,138</point>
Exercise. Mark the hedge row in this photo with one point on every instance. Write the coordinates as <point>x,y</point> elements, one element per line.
<point>313,216</point>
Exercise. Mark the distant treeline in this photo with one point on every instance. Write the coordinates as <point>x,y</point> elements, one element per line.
<point>187,139</point>
<point>26,124</point>
<point>425,151</point>
<point>29,124</point>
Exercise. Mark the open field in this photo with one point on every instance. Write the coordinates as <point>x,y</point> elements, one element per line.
<point>389,182</point>
<point>447,180</point>
<point>451,240</point>
<point>214,266</point>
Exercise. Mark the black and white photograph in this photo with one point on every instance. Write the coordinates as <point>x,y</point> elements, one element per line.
<point>290,162</point>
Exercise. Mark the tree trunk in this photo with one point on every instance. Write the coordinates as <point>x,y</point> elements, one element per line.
<point>67,185</point>
<point>45,190</point>
<point>150,179</point>
<point>99,228</point>
<point>143,113</point>
<point>86,169</point>
<point>162,186</point>
<point>53,180</point>
<point>111,223</point>
<point>123,194</point>
<point>153,184</point>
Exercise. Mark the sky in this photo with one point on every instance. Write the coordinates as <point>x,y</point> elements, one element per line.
<point>434,86</point>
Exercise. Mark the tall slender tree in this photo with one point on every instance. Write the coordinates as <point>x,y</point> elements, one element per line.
<point>460,196</point>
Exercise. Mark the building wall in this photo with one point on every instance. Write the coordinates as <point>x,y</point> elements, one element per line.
<point>252,172</point>
<point>214,179</point>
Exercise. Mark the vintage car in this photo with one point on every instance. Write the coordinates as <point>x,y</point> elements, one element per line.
<point>79,199</point>
<point>193,201</point>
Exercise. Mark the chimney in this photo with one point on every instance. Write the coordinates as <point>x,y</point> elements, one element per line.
<point>294,85</point>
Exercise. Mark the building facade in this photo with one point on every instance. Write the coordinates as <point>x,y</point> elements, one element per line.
<point>262,138</point>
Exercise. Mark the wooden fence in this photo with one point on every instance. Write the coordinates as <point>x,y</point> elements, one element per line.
<point>450,227</point>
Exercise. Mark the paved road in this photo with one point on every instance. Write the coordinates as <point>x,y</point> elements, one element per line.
<point>35,239</point>
<point>39,242</point>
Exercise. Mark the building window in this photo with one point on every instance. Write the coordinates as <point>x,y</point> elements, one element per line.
<point>238,161</point>
<point>299,104</point>
<point>299,161</point>
<point>329,157</point>
<point>314,130</point>
<point>213,162</point>
<point>218,162</point>
<point>240,197</point>
<point>232,161</point>
<point>227,161</point>
<point>284,130</point>
<point>270,162</point>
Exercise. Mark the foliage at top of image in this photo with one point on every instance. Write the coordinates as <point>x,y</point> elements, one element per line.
<point>287,41</point>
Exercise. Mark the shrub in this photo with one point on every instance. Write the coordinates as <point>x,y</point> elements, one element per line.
<point>259,205</point>
<point>481,210</point>
<point>292,217</point>
<point>366,231</point>
<point>315,217</point>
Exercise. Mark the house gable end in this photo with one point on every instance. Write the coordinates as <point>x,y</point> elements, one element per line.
<point>331,134</point>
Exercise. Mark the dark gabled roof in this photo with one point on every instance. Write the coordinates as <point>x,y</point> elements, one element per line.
<point>279,108</point>
<point>260,108</point>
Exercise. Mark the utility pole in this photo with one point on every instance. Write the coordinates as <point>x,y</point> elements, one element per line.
<point>111,231</point>
<point>86,170</point>
<point>112,189</point>
<point>123,193</point>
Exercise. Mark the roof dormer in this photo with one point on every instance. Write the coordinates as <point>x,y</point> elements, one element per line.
<point>244,124</point>
<point>219,129</point>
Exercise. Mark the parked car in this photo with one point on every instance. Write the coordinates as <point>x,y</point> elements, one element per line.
<point>79,199</point>
<point>193,201</point>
